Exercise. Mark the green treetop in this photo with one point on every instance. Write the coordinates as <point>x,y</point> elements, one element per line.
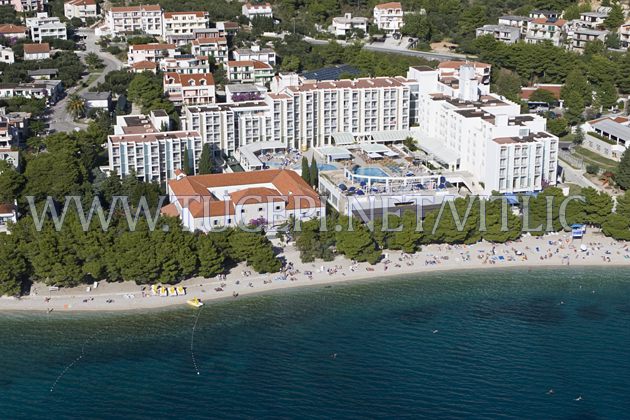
<point>306,171</point>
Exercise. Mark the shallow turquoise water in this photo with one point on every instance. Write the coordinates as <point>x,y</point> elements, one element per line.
<point>504,338</point>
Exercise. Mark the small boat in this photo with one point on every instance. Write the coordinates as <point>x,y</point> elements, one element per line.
<point>195,302</point>
<point>172,291</point>
<point>181,291</point>
<point>163,292</point>
<point>154,289</point>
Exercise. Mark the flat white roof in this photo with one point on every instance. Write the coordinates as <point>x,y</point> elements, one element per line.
<point>374,148</point>
<point>343,138</point>
<point>335,152</point>
<point>249,151</point>
<point>613,128</point>
<point>390,135</point>
<point>436,148</point>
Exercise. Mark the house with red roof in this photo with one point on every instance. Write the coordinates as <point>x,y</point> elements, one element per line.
<point>249,71</point>
<point>271,197</point>
<point>189,89</point>
<point>388,17</point>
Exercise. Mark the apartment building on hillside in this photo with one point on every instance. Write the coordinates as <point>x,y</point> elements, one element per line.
<point>144,145</point>
<point>388,17</point>
<point>125,20</point>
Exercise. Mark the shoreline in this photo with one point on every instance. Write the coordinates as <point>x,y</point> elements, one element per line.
<point>548,251</point>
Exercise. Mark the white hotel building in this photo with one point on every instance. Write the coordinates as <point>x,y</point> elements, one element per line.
<point>311,114</point>
<point>144,145</point>
<point>449,110</point>
<point>184,23</point>
<point>482,133</point>
<point>128,19</point>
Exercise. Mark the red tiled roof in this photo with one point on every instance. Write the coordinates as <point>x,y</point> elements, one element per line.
<point>82,2</point>
<point>215,40</point>
<point>362,83</point>
<point>6,208</point>
<point>146,7</point>
<point>390,5</point>
<point>457,64</point>
<point>257,6</point>
<point>142,47</point>
<point>527,92</point>
<point>169,210</point>
<point>261,65</point>
<point>197,14</point>
<point>185,79</point>
<point>146,65</point>
<point>151,137</point>
<point>544,21</point>
<point>288,183</point>
<point>12,29</point>
<point>44,47</point>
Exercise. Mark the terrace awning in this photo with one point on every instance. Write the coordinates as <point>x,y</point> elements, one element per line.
<point>437,149</point>
<point>390,135</point>
<point>374,148</point>
<point>343,138</point>
<point>374,155</point>
<point>335,153</point>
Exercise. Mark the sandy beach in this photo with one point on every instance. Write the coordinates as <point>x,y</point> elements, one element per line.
<point>550,250</point>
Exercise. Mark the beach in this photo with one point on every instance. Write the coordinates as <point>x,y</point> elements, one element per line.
<point>594,249</point>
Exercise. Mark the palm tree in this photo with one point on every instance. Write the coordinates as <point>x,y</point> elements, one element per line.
<point>76,106</point>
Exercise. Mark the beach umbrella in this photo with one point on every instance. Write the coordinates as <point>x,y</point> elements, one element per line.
<point>343,187</point>
<point>351,189</point>
<point>360,192</point>
<point>363,183</point>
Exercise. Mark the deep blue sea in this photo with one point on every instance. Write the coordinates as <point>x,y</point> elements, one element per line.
<point>477,344</point>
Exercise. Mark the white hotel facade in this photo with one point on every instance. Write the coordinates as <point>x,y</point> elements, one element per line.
<point>308,115</point>
<point>145,146</point>
<point>449,110</point>
<point>503,149</point>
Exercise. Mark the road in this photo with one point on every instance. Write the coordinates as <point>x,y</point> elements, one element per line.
<point>395,49</point>
<point>59,119</point>
<point>576,176</point>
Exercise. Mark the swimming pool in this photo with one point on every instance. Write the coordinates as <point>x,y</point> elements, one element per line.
<point>326,167</point>
<point>371,171</point>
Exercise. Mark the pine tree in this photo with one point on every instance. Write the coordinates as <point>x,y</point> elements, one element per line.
<point>205,160</point>
<point>210,258</point>
<point>306,171</point>
<point>579,135</point>
<point>622,176</point>
<point>314,173</point>
<point>357,244</point>
<point>615,18</point>
<point>13,269</point>
<point>187,168</point>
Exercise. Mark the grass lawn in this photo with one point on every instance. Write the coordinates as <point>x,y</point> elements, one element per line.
<point>92,77</point>
<point>574,189</point>
<point>593,158</point>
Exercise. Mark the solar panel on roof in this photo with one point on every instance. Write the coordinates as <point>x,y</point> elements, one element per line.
<point>330,73</point>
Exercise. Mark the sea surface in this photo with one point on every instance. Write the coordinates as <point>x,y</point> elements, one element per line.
<point>466,344</point>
